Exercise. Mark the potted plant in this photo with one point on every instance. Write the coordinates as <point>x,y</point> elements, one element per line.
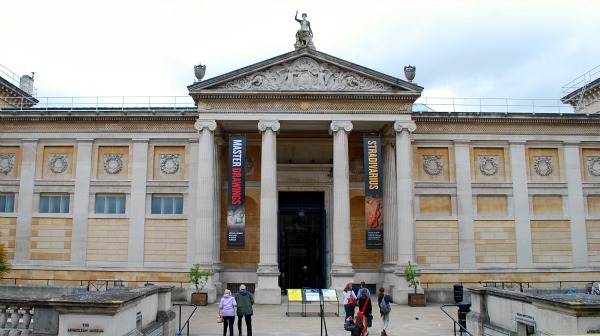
<point>199,277</point>
<point>414,299</point>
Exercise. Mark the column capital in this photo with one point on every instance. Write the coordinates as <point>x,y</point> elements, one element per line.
<point>335,126</point>
<point>408,125</point>
<point>272,124</point>
<point>201,124</point>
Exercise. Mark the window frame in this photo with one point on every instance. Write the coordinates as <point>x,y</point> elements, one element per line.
<point>4,206</point>
<point>107,197</point>
<point>64,201</point>
<point>164,204</point>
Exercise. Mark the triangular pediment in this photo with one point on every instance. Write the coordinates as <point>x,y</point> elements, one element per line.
<point>305,70</point>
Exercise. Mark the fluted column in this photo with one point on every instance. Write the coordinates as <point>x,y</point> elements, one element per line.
<point>576,204</point>
<point>341,268</point>
<point>217,265</point>
<point>267,289</point>
<point>405,199</point>
<point>390,213</point>
<point>205,202</point>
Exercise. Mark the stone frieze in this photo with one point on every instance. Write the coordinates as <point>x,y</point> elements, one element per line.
<point>305,74</point>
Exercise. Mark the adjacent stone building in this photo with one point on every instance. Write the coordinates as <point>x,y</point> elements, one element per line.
<point>142,193</point>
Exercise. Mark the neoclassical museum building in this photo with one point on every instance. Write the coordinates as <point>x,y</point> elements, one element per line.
<point>303,170</point>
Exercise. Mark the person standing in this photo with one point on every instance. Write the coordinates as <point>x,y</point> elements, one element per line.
<point>244,300</point>
<point>365,309</point>
<point>383,301</point>
<point>227,307</point>
<point>349,293</point>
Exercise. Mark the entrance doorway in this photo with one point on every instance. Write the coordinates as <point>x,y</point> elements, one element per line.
<point>302,240</point>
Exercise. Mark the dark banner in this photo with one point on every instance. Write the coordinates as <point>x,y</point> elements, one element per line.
<point>373,192</point>
<point>236,211</point>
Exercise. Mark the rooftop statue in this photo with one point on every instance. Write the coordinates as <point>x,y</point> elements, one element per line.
<point>304,35</point>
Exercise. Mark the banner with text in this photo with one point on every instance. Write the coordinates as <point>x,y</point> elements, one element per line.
<point>373,192</point>
<point>236,211</point>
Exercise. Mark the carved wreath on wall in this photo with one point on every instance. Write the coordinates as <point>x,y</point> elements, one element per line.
<point>305,74</point>
<point>593,165</point>
<point>59,163</point>
<point>113,163</point>
<point>169,163</point>
<point>433,164</point>
<point>7,163</point>
<point>488,165</point>
<point>357,165</point>
<point>543,165</point>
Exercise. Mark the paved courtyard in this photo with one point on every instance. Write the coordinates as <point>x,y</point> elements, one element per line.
<point>271,320</point>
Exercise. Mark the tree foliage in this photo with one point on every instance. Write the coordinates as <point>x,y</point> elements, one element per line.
<point>4,265</point>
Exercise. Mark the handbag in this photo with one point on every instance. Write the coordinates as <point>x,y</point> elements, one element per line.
<point>219,317</point>
<point>352,301</point>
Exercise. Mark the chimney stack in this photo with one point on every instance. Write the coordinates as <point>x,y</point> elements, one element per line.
<point>26,84</point>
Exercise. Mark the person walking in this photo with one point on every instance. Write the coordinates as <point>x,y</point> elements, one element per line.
<point>227,307</point>
<point>384,301</point>
<point>350,301</point>
<point>244,300</point>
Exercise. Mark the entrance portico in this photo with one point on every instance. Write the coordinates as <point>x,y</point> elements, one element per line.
<point>310,124</point>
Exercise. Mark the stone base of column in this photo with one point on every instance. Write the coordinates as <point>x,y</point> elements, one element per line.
<point>401,288</point>
<point>389,278</point>
<point>341,275</point>
<point>267,289</point>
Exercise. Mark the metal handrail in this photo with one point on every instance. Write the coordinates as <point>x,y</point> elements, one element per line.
<point>187,322</point>
<point>504,283</point>
<point>421,105</point>
<point>90,283</point>
<point>455,321</point>
<point>581,81</point>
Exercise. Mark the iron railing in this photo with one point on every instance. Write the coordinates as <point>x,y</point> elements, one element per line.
<point>186,324</point>
<point>581,81</point>
<point>422,105</point>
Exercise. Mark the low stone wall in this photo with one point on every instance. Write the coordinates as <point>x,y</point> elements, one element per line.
<point>39,291</point>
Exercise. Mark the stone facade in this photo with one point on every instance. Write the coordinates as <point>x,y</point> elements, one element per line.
<point>473,196</point>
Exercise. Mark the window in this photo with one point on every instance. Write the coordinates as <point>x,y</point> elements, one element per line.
<point>7,203</point>
<point>54,204</point>
<point>110,204</point>
<point>167,205</point>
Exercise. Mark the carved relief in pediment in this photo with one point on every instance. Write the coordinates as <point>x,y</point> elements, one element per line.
<point>305,74</point>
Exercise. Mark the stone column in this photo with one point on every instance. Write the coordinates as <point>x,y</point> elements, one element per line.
<point>81,202</point>
<point>205,202</point>
<point>464,194</point>
<point>405,199</point>
<point>217,265</point>
<point>576,204</point>
<point>518,167</point>
<point>341,268</point>
<point>390,214</point>
<point>267,289</point>
<point>25,201</point>
<point>137,208</point>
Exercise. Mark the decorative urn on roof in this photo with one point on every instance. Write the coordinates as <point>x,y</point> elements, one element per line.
<point>199,71</point>
<point>409,72</point>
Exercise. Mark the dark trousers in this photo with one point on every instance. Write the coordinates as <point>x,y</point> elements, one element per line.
<point>228,322</point>
<point>248,319</point>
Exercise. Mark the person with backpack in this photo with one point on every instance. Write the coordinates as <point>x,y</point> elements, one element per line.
<point>227,307</point>
<point>384,301</point>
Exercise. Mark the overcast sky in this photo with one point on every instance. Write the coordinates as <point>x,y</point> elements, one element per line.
<point>487,48</point>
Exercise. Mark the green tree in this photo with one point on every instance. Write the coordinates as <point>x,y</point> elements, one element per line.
<point>4,265</point>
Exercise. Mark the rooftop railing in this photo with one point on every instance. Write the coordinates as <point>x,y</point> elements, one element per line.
<point>13,78</point>
<point>422,105</point>
<point>581,81</point>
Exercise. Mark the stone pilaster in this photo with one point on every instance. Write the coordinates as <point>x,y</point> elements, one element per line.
<point>25,202</point>
<point>464,195</point>
<point>205,216</point>
<point>81,201</point>
<point>341,268</point>
<point>576,205</point>
<point>390,214</point>
<point>137,208</point>
<point>217,265</point>
<point>518,162</point>
<point>267,289</point>
<point>405,199</point>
